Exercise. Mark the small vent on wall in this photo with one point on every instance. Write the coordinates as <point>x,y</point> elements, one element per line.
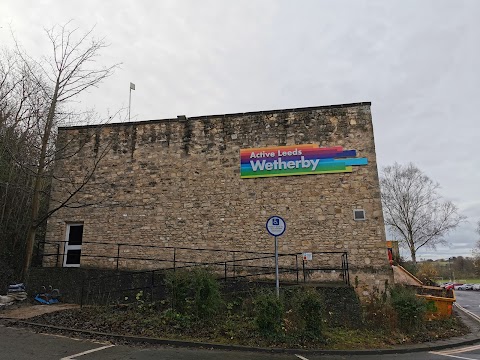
<point>359,214</point>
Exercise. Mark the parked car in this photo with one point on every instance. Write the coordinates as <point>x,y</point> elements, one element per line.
<point>464,287</point>
<point>476,287</point>
<point>453,286</point>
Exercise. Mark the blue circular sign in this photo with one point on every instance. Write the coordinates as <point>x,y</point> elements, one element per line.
<point>276,226</point>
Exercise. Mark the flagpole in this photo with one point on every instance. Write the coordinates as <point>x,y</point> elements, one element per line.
<point>132,87</point>
<point>129,103</point>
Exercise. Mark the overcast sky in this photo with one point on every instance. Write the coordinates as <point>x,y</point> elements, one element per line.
<point>416,61</point>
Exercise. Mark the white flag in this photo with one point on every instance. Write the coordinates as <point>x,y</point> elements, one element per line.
<point>132,86</point>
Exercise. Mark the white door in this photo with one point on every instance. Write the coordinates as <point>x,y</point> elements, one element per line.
<point>73,245</point>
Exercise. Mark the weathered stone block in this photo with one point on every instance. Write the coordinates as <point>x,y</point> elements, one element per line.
<point>177,183</point>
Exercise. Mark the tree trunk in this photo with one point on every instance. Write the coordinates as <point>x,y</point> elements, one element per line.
<point>28,252</point>
<point>413,254</point>
<point>27,260</point>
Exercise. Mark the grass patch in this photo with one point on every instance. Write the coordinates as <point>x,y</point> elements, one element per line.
<point>236,329</point>
<point>469,281</point>
<point>350,339</point>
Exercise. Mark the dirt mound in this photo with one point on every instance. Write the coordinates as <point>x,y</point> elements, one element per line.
<point>27,310</point>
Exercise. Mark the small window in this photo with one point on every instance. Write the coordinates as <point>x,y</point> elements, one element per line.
<point>75,235</point>
<point>359,214</point>
<point>73,257</point>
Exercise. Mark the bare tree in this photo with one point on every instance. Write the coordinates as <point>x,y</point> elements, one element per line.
<point>71,70</point>
<point>413,209</point>
<point>476,250</point>
<point>478,232</point>
<point>21,104</point>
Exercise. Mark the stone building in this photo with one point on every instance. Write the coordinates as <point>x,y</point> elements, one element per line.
<point>211,182</point>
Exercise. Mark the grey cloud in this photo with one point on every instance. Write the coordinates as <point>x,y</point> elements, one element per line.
<point>416,61</point>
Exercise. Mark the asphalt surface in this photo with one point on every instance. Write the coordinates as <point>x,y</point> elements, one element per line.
<point>25,344</point>
<point>469,299</point>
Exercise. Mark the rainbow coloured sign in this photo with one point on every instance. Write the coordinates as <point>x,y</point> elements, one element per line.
<point>297,160</point>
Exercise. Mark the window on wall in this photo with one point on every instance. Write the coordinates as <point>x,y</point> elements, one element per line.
<point>359,214</point>
<point>73,245</point>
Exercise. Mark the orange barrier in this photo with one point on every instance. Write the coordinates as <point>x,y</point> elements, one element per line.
<point>442,306</point>
<point>441,300</point>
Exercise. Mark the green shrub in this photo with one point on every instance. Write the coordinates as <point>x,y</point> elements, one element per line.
<point>194,292</point>
<point>178,289</point>
<point>409,308</point>
<point>309,308</point>
<point>268,313</point>
<point>175,320</point>
<point>207,296</point>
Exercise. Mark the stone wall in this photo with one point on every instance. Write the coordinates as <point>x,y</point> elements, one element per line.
<point>176,182</point>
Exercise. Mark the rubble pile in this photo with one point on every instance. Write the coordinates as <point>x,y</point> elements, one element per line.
<point>15,292</point>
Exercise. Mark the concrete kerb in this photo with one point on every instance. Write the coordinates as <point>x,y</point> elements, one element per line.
<point>432,346</point>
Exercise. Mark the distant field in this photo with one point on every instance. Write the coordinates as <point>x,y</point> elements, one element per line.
<point>468,281</point>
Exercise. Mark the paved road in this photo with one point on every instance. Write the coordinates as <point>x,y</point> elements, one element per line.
<point>469,299</point>
<point>24,344</point>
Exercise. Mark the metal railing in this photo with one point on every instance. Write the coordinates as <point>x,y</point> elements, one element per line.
<point>114,287</point>
<point>115,252</point>
<point>235,264</point>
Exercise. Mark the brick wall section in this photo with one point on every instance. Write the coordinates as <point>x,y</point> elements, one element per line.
<point>177,183</point>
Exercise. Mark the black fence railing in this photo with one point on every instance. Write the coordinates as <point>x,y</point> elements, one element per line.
<point>120,287</point>
<point>117,251</point>
<point>147,264</point>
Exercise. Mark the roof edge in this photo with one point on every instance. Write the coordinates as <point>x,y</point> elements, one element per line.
<point>337,106</point>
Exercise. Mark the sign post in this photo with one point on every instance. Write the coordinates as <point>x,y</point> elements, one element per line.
<point>276,227</point>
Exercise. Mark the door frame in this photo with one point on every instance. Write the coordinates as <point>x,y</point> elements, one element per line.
<point>68,247</point>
